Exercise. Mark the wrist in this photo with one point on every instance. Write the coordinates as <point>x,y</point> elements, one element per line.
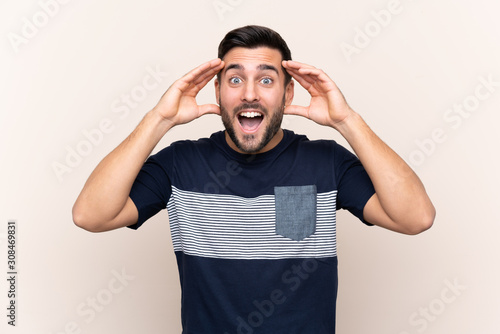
<point>350,120</point>
<point>155,126</point>
<point>159,121</point>
<point>353,128</point>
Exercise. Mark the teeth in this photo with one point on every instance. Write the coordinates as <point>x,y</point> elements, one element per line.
<point>251,114</point>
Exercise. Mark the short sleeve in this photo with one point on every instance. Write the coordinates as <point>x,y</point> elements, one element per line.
<point>353,183</point>
<point>152,187</point>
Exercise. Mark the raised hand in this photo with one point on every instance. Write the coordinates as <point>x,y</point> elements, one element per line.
<point>104,202</point>
<point>328,106</point>
<point>178,105</point>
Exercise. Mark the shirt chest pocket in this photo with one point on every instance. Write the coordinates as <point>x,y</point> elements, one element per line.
<point>295,208</point>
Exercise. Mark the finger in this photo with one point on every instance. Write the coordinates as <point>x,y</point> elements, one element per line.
<point>304,69</point>
<point>296,110</point>
<point>315,73</point>
<point>203,68</point>
<point>317,80</point>
<point>299,78</point>
<point>202,82</point>
<point>199,74</point>
<point>305,81</point>
<point>204,77</point>
<point>207,75</point>
<point>209,109</point>
<point>295,64</point>
<point>306,77</point>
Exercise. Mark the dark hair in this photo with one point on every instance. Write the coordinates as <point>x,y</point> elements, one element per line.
<point>252,37</point>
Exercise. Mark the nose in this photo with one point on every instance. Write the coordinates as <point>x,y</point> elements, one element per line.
<point>250,93</point>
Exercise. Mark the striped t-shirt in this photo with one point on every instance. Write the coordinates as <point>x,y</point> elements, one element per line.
<point>254,235</point>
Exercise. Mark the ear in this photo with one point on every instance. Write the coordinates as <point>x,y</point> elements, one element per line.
<point>289,91</point>
<point>217,89</point>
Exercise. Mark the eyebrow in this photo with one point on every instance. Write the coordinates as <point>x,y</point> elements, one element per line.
<point>261,67</point>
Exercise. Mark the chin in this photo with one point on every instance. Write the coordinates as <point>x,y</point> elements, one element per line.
<point>248,143</point>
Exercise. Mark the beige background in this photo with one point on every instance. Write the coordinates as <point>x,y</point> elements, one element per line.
<point>72,71</point>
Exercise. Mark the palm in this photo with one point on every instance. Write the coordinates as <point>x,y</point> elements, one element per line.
<point>327,105</point>
<point>187,107</point>
<point>179,105</point>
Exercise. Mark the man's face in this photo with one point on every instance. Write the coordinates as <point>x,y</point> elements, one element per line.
<point>252,96</point>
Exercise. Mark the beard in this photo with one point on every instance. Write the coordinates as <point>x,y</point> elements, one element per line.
<point>250,142</point>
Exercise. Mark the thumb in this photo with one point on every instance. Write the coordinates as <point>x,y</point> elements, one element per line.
<point>209,109</point>
<point>296,110</point>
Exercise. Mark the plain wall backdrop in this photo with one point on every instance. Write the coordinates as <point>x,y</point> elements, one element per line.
<point>78,76</point>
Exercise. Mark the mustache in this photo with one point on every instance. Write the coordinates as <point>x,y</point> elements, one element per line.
<point>257,106</point>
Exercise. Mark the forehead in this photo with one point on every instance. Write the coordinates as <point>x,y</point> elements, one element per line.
<point>253,58</point>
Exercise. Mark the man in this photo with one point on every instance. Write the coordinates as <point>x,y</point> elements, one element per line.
<point>252,208</point>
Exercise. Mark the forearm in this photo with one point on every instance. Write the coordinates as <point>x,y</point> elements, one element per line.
<point>399,190</point>
<point>104,202</point>
<point>107,189</point>
<point>400,203</point>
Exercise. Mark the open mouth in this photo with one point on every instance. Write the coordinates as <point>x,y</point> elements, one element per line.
<point>250,120</point>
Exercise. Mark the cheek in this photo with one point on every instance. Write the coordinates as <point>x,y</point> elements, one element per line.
<point>228,96</point>
<point>273,97</point>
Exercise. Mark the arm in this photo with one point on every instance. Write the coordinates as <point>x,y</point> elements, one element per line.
<point>400,203</point>
<point>104,203</point>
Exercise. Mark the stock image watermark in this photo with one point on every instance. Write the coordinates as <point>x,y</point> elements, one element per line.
<point>364,35</point>
<point>96,303</point>
<point>421,319</point>
<point>32,24</point>
<point>120,110</point>
<point>12,272</point>
<point>293,278</point>
<point>221,179</point>
<point>222,7</point>
<point>453,119</point>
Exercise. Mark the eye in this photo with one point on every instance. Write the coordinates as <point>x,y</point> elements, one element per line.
<point>266,81</point>
<point>235,80</point>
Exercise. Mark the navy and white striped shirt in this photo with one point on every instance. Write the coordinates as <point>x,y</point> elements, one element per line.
<point>254,235</point>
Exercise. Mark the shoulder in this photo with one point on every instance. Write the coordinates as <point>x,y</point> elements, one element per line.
<point>186,148</point>
<point>305,145</point>
<point>321,153</point>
